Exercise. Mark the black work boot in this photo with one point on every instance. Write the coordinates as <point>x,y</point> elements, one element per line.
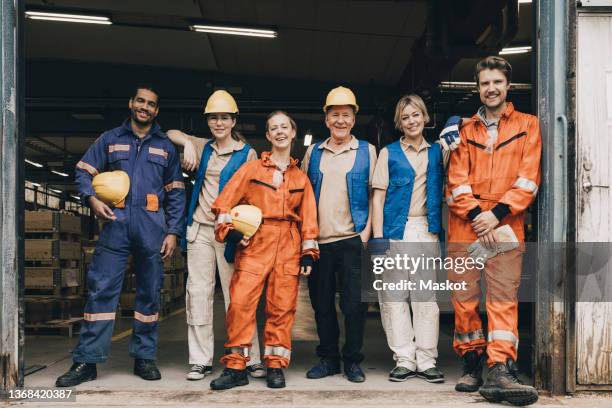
<point>471,379</point>
<point>146,369</point>
<point>503,385</point>
<point>275,378</point>
<point>78,373</point>
<point>230,378</point>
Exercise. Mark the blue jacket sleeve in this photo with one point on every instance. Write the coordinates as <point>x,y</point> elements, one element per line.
<point>93,162</point>
<point>175,194</point>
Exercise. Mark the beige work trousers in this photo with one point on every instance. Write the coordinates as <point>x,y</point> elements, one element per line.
<point>204,254</point>
<point>414,339</point>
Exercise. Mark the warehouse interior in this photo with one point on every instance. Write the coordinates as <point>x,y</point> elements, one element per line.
<point>79,78</point>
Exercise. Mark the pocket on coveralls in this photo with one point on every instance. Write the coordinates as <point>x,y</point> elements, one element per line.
<point>249,266</point>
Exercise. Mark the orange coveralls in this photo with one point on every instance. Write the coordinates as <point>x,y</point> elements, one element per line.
<point>479,179</point>
<point>288,231</point>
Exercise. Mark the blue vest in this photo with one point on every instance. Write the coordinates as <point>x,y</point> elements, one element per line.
<point>399,191</point>
<point>357,180</point>
<point>238,158</point>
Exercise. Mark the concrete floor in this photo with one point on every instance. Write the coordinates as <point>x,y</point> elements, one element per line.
<point>116,385</point>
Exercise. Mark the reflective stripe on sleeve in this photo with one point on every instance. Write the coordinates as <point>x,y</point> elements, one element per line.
<point>462,189</point>
<point>94,317</point>
<point>87,167</point>
<point>146,318</point>
<point>526,184</point>
<point>310,244</point>
<point>175,184</point>
<point>224,218</point>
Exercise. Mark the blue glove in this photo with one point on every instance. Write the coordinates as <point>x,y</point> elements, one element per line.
<point>449,138</point>
<point>378,246</point>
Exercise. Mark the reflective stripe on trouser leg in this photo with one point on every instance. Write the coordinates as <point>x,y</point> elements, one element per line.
<point>149,274</point>
<point>104,281</point>
<point>503,276</point>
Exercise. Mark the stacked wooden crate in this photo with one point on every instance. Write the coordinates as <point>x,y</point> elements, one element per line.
<point>53,271</point>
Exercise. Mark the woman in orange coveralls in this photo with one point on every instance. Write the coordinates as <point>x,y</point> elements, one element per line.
<point>284,247</point>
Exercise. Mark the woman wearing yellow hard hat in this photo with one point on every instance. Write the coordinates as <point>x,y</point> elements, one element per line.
<point>283,247</point>
<point>216,160</point>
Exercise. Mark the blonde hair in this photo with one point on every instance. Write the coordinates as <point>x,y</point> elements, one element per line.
<point>283,113</point>
<point>413,100</point>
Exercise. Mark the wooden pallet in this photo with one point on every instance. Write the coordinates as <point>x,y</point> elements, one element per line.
<point>52,249</point>
<point>53,263</point>
<point>57,235</point>
<point>59,327</point>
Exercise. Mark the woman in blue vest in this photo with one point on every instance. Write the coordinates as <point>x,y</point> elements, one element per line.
<point>406,210</point>
<point>216,160</point>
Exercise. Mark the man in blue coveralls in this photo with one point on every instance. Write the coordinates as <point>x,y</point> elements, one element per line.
<point>139,226</point>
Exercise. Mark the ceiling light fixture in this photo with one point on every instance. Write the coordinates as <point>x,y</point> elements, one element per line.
<point>515,50</point>
<point>185,174</point>
<point>248,32</point>
<point>33,163</point>
<point>59,173</point>
<point>55,191</point>
<point>67,18</point>
<point>75,197</point>
<point>525,1</point>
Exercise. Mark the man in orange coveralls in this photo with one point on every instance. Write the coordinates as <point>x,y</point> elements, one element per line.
<point>493,177</point>
<point>285,240</point>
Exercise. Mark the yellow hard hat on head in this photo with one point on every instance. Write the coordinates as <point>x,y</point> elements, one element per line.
<point>341,96</point>
<point>246,219</point>
<point>111,187</point>
<point>221,102</point>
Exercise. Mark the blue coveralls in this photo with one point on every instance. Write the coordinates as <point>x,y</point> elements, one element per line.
<point>152,164</point>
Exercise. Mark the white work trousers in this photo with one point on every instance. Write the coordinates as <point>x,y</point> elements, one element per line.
<point>204,253</point>
<point>414,339</point>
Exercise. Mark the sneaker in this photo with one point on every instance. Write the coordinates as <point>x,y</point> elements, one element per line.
<point>199,371</point>
<point>471,379</point>
<point>325,368</point>
<point>354,373</point>
<point>146,369</point>
<point>78,373</point>
<point>256,370</point>
<point>399,374</point>
<point>230,378</point>
<point>432,375</point>
<point>275,378</point>
<point>503,385</point>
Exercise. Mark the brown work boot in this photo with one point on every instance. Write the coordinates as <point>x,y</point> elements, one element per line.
<point>503,385</point>
<point>471,379</point>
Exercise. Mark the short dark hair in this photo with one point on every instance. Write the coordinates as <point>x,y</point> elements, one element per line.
<point>148,87</point>
<point>493,62</point>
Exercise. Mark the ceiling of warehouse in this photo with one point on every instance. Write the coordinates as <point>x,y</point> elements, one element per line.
<point>79,76</point>
<point>318,39</point>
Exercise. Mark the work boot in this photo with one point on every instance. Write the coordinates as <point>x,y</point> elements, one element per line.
<point>354,373</point>
<point>78,373</point>
<point>275,378</point>
<point>230,378</point>
<point>503,385</point>
<point>325,368</point>
<point>471,379</point>
<point>146,369</point>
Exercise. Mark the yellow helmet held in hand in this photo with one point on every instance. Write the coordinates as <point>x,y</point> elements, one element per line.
<point>341,96</point>
<point>246,219</point>
<point>221,102</point>
<point>111,187</point>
